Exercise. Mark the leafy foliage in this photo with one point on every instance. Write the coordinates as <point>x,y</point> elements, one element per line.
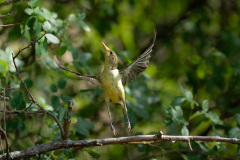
<point>191,86</point>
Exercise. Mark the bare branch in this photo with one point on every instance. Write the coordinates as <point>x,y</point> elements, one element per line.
<point>6,98</point>
<point>32,43</point>
<point>4,112</point>
<point>67,121</point>
<point>29,93</point>
<point>7,15</point>
<point>7,25</point>
<point>23,112</point>
<point>9,89</point>
<point>64,144</point>
<point>6,140</point>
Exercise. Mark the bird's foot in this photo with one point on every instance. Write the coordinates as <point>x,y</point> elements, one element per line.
<point>129,126</point>
<point>113,130</point>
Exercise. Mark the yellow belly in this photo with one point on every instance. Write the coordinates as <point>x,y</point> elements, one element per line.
<point>112,86</point>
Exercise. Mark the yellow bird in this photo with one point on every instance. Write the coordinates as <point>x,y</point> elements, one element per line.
<point>112,80</point>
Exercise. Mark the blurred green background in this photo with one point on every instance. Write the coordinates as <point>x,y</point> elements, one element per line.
<point>191,87</point>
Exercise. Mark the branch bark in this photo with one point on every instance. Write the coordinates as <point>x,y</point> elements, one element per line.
<point>67,121</point>
<point>6,140</point>
<point>65,144</point>
<point>7,25</point>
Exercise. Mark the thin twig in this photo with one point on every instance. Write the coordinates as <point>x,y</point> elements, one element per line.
<point>6,140</point>
<point>23,112</point>
<point>7,25</point>
<point>29,93</point>
<point>9,89</point>
<point>7,15</point>
<point>4,112</point>
<point>1,144</point>
<point>67,121</point>
<point>32,43</point>
<point>27,107</point>
<point>46,147</point>
<point>2,97</point>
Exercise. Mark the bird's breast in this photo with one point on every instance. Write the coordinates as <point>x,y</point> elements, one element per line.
<point>111,82</point>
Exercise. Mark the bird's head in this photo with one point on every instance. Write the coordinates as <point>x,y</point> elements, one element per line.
<point>111,59</point>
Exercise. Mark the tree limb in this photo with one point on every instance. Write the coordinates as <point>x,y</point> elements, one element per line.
<point>65,144</point>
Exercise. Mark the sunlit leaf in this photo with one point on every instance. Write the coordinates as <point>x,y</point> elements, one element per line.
<point>178,101</point>
<point>234,132</point>
<point>185,131</point>
<point>29,11</point>
<point>205,106</point>
<point>47,26</point>
<point>214,117</point>
<point>52,39</point>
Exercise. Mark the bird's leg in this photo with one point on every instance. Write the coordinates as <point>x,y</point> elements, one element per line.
<point>125,110</point>
<point>110,117</point>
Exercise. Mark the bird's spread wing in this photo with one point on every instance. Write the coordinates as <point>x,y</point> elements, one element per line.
<point>92,79</point>
<point>132,70</point>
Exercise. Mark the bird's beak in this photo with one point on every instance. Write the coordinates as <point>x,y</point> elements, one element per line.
<point>105,47</point>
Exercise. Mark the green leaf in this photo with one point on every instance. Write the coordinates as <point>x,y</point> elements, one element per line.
<point>37,28</point>
<point>93,152</point>
<point>33,3</point>
<point>17,101</point>
<point>205,106</point>
<point>81,16</point>
<point>61,113</point>
<point>52,39</point>
<point>84,57</point>
<point>81,130</point>
<point>47,26</point>
<point>85,124</point>
<point>55,102</point>
<point>62,83</point>
<point>53,88</point>
<point>62,50</point>
<point>84,26</point>
<point>29,11</point>
<point>65,98</point>
<point>214,117</point>
<point>185,131</point>
<point>28,82</point>
<point>234,132</point>
<point>141,112</point>
<point>178,101</point>
<point>75,53</point>
<point>237,116</point>
<point>41,48</point>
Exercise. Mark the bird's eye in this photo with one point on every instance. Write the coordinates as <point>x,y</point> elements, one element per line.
<point>111,52</point>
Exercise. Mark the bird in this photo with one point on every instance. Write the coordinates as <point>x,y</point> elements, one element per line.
<point>113,80</point>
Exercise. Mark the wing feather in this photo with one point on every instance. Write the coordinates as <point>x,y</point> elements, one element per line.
<point>139,65</point>
<point>92,79</point>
